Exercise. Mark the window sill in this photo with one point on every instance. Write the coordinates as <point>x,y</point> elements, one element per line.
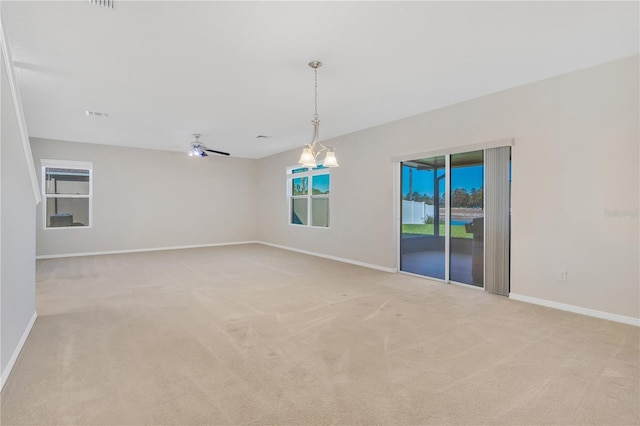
<point>308,226</point>
<point>50,228</point>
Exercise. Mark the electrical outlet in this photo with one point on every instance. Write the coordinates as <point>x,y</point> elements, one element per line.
<point>563,276</point>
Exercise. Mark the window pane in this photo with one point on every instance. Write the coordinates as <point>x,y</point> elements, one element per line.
<point>320,184</point>
<point>320,211</point>
<point>422,242</point>
<point>467,218</point>
<point>299,186</point>
<point>67,181</point>
<point>299,211</point>
<point>67,212</point>
<point>299,170</point>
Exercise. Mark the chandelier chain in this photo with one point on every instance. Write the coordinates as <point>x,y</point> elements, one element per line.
<point>316,92</point>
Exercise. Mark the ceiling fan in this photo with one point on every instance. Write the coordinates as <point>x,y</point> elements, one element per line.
<point>198,149</point>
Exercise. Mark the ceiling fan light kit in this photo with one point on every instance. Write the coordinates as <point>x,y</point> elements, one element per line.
<point>311,151</point>
<point>198,149</point>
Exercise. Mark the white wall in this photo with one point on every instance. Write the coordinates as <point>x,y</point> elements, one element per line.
<point>17,235</point>
<point>576,153</point>
<point>153,199</point>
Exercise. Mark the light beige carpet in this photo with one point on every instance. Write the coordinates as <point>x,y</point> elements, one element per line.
<point>256,335</point>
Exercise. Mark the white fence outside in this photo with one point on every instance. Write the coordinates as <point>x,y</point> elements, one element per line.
<point>415,212</point>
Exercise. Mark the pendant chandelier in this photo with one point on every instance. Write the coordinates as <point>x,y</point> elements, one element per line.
<point>312,150</point>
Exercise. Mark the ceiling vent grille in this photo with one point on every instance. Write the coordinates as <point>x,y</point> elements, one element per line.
<point>97,114</point>
<point>103,3</point>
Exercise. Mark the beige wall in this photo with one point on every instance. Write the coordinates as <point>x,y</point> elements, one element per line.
<point>153,199</point>
<point>575,158</point>
<point>17,233</point>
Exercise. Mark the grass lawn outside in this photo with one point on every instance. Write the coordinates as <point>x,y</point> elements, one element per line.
<point>457,231</point>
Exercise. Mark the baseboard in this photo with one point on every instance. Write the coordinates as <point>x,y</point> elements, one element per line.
<point>336,258</point>
<point>16,352</point>
<point>99,253</point>
<point>576,309</point>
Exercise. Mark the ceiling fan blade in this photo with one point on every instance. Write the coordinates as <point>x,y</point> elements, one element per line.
<point>217,152</point>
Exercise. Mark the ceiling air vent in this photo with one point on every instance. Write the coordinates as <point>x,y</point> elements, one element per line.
<point>103,3</point>
<point>96,114</point>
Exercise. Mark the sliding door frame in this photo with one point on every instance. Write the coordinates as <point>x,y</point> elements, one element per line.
<point>447,215</point>
<point>397,194</point>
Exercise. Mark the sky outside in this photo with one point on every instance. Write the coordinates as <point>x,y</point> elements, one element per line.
<point>321,183</point>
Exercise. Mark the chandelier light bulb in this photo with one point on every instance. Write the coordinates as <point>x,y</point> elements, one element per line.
<point>330,159</point>
<point>307,159</point>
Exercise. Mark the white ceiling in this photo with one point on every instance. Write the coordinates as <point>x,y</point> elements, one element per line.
<point>235,70</point>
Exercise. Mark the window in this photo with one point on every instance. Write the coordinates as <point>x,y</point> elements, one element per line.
<point>66,190</point>
<point>308,195</point>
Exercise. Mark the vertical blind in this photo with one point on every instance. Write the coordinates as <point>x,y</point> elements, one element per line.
<point>497,220</point>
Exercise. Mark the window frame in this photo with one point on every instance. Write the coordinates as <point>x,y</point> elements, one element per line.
<point>65,164</point>
<point>309,174</point>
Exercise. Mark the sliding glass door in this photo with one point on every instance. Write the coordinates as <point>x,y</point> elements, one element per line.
<point>423,224</point>
<point>443,220</point>
<point>466,261</point>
